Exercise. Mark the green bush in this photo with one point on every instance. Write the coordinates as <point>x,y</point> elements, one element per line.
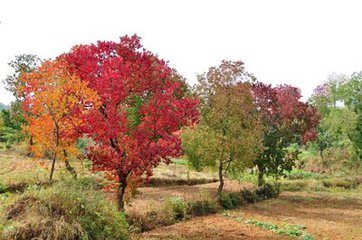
<point>267,191</point>
<point>71,209</point>
<point>225,201</point>
<point>248,195</point>
<point>202,207</point>
<point>236,198</point>
<point>178,207</point>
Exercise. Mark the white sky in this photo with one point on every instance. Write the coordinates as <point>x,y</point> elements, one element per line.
<point>295,42</point>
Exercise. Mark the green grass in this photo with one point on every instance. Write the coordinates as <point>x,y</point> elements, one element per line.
<point>179,161</point>
<point>290,230</point>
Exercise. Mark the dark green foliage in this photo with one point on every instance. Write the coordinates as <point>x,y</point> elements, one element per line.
<point>249,196</point>
<point>267,191</point>
<point>225,201</point>
<point>231,200</point>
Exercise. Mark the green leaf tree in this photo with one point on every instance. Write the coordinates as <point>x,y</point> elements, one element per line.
<point>228,137</point>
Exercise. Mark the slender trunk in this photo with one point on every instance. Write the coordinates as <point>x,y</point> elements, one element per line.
<point>122,180</point>
<point>52,168</point>
<point>55,152</point>
<point>69,167</point>
<point>260,177</point>
<point>321,153</point>
<point>31,143</point>
<point>221,179</point>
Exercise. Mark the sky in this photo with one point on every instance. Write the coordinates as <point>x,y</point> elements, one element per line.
<point>294,42</point>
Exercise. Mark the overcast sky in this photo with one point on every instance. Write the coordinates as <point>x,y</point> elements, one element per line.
<point>294,42</point>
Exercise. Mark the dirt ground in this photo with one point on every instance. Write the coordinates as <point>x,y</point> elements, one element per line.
<point>150,197</point>
<point>327,216</point>
<point>213,227</point>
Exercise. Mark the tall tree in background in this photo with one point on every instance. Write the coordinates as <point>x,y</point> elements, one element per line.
<point>22,64</point>
<point>352,93</point>
<point>286,120</point>
<point>55,102</point>
<point>229,135</point>
<point>143,105</point>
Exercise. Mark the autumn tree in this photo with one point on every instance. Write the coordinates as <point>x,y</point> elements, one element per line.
<point>286,120</point>
<point>142,106</point>
<point>228,137</point>
<point>55,102</point>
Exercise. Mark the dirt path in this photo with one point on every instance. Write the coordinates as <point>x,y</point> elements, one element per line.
<point>327,216</point>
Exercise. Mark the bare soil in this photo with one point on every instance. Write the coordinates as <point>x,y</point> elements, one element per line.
<point>327,216</point>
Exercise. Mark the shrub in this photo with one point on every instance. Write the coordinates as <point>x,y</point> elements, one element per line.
<point>267,191</point>
<point>249,196</point>
<point>71,209</point>
<point>225,201</point>
<point>236,198</point>
<point>202,207</point>
<point>178,207</point>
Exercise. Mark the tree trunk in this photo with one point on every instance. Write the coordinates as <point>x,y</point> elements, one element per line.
<point>69,168</point>
<point>52,168</point>
<point>260,177</point>
<point>31,143</point>
<point>221,179</point>
<point>122,180</point>
<point>321,153</point>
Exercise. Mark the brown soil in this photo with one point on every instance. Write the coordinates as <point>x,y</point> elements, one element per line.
<point>326,216</point>
<point>213,227</point>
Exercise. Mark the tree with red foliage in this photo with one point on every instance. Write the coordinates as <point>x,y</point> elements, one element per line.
<point>143,105</point>
<point>286,120</point>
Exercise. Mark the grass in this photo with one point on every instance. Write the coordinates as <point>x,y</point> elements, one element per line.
<point>285,229</point>
<point>290,230</point>
<point>70,209</point>
<point>177,209</point>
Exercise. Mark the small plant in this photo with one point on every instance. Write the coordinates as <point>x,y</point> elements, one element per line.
<point>202,207</point>
<point>178,207</point>
<point>285,229</point>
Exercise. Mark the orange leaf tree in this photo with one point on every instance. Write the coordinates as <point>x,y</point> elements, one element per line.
<point>56,101</point>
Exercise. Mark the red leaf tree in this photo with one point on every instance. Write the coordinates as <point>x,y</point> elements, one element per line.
<point>286,120</point>
<point>143,104</point>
